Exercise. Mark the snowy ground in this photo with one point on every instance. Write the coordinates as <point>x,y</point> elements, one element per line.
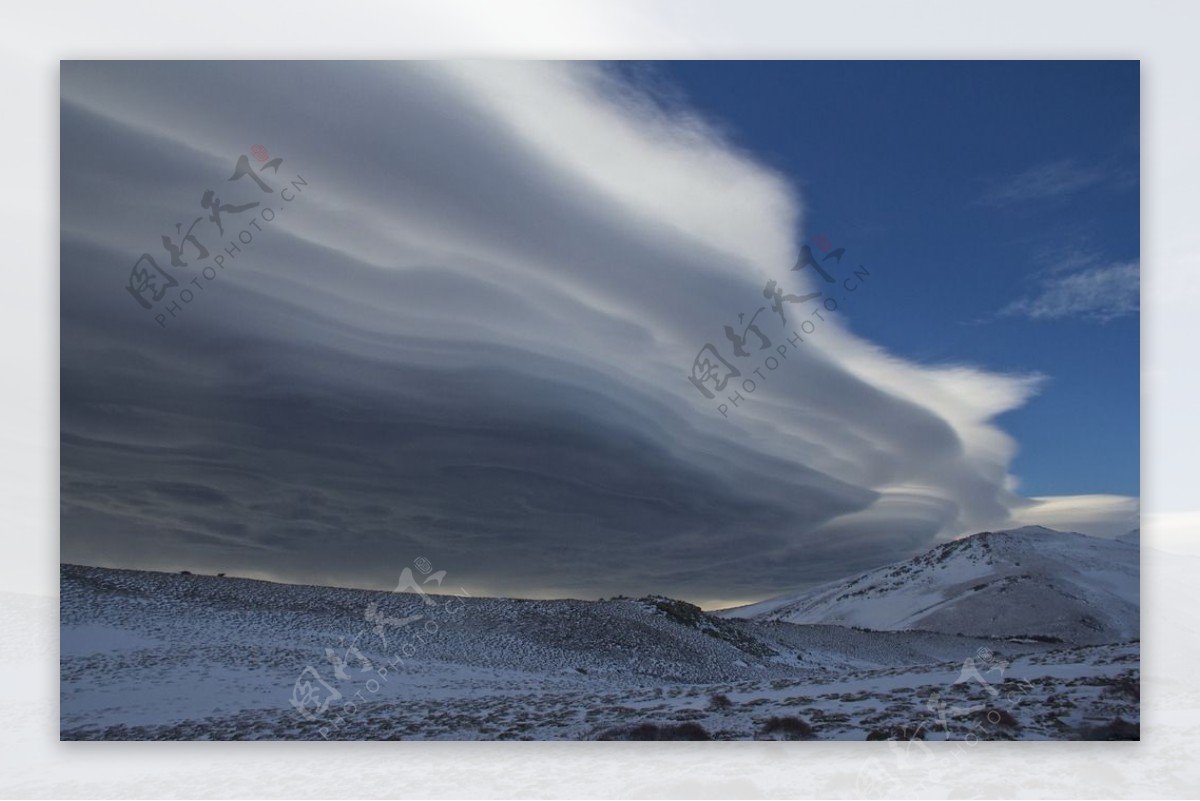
<point>162,656</point>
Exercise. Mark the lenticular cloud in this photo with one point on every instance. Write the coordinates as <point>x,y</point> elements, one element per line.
<point>470,339</point>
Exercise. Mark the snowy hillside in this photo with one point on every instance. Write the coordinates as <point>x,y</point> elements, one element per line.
<point>1029,582</point>
<point>167,656</point>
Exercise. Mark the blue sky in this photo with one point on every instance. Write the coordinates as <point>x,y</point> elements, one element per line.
<point>970,187</point>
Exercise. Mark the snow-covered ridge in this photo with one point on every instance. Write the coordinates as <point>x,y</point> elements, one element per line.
<point>1131,537</point>
<point>1027,582</point>
<point>169,656</point>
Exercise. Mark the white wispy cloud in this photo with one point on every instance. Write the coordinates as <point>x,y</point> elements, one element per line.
<point>1099,293</point>
<point>1045,181</point>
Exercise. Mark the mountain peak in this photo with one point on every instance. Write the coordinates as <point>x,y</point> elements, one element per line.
<point>1026,582</point>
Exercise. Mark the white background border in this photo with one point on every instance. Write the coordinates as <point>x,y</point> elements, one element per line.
<point>35,35</point>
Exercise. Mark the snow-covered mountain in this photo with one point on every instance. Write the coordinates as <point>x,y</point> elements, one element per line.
<point>1028,582</point>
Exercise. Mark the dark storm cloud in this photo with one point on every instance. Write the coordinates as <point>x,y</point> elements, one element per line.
<point>325,472</point>
<point>468,340</point>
